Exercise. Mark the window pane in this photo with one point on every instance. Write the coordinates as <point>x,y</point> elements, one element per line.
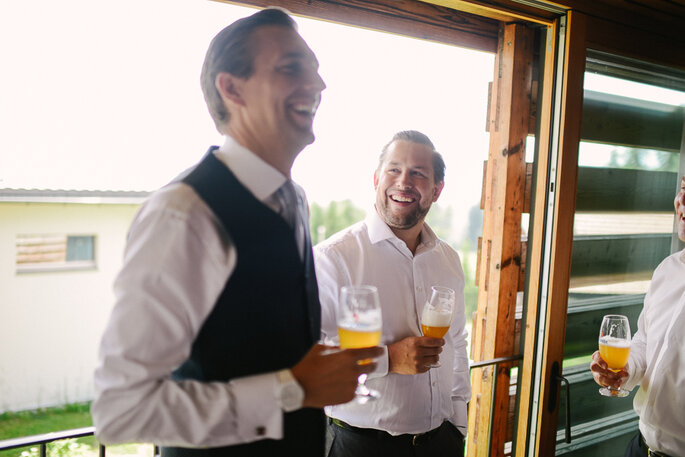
<point>80,248</point>
<point>623,227</point>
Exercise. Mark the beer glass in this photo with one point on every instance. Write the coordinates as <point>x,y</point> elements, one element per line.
<point>436,316</point>
<point>614,347</point>
<point>359,326</point>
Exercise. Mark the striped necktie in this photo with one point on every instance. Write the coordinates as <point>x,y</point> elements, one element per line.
<point>291,211</point>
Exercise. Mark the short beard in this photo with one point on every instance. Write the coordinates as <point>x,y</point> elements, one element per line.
<point>401,222</point>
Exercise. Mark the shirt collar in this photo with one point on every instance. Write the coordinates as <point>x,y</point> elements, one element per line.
<point>379,231</point>
<point>255,174</point>
<point>682,256</point>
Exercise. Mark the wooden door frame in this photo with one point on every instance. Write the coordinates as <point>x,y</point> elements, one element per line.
<point>537,436</point>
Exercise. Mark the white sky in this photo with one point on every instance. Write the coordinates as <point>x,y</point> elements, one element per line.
<point>97,94</point>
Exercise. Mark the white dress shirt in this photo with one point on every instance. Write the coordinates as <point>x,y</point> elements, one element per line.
<point>657,359</point>
<point>177,260</point>
<point>369,253</point>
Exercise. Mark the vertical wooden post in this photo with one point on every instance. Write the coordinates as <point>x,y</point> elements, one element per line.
<point>503,205</point>
<point>565,207</point>
<point>536,233</point>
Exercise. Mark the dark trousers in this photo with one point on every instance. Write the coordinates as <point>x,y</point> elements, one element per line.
<point>635,448</point>
<point>638,448</point>
<point>346,441</point>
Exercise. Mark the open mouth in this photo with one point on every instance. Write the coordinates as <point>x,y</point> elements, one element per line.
<point>304,109</point>
<point>402,198</point>
<point>302,114</point>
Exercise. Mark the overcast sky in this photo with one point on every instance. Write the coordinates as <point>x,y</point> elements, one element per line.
<point>98,94</point>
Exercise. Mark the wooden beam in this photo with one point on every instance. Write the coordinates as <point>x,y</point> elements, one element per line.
<point>404,17</point>
<point>597,256</point>
<point>620,189</point>
<point>626,122</point>
<point>505,10</point>
<point>504,203</point>
<point>639,28</point>
<point>662,44</point>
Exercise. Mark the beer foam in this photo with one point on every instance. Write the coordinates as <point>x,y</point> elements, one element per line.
<point>436,318</point>
<point>360,326</point>
<point>614,342</point>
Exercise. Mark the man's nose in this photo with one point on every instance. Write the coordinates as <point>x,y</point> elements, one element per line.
<point>404,180</point>
<point>316,82</point>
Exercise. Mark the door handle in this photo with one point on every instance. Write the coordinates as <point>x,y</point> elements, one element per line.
<point>555,384</point>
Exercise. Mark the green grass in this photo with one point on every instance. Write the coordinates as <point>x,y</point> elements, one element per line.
<point>46,420</point>
<point>26,423</point>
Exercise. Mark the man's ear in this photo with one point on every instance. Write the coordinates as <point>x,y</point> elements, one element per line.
<point>375,180</point>
<point>437,190</point>
<point>230,88</point>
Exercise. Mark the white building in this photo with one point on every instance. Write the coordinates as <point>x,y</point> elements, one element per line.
<point>59,254</point>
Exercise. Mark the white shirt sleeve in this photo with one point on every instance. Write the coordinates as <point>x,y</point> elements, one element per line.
<point>330,277</point>
<point>637,361</point>
<point>177,261</point>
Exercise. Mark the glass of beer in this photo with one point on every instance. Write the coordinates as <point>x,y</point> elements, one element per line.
<point>614,348</point>
<point>436,316</point>
<point>359,326</point>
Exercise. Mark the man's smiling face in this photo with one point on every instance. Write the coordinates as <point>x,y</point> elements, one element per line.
<point>280,98</point>
<point>405,184</point>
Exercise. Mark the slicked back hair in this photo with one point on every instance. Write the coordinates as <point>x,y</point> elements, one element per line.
<point>233,51</point>
<point>419,138</point>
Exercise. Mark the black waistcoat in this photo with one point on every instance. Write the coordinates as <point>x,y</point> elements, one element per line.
<point>267,316</point>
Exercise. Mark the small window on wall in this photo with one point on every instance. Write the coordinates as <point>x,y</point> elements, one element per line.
<point>55,252</point>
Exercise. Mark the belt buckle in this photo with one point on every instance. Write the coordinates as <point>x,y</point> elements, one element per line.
<point>415,438</point>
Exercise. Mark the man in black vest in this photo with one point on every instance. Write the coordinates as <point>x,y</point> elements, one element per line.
<point>211,347</point>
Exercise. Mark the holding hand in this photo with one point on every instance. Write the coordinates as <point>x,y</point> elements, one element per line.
<point>330,377</point>
<point>414,354</point>
<point>604,376</point>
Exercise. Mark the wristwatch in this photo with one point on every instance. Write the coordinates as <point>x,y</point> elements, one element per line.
<point>290,394</point>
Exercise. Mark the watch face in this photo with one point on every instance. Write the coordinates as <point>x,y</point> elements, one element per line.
<point>291,393</point>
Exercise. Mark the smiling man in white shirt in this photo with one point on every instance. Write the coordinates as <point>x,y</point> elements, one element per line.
<point>421,410</point>
<point>657,358</point>
<point>210,349</point>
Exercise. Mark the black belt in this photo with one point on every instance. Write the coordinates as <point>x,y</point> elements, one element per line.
<point>414,439</point>
<point>650,452</point>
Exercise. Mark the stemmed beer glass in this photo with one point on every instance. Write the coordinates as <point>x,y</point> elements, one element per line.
<point>614,347</point>
<point>359,326</point>
<point>437,314</point>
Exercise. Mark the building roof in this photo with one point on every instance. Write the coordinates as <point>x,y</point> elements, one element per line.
<point>73,196</point>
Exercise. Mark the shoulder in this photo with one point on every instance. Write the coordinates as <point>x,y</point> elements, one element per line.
<point>671,264</point>
<point>176,200</point>
<point>178,219</point>
<point>446,250</point>
<point>345,240</point>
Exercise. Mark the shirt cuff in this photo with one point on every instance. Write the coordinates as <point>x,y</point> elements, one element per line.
<point>258,412</point>
<point>382,365</point>
<point>460,418</point>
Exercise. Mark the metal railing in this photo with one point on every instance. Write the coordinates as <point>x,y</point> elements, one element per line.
<point>496,361</point>
<point>43,440</point>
